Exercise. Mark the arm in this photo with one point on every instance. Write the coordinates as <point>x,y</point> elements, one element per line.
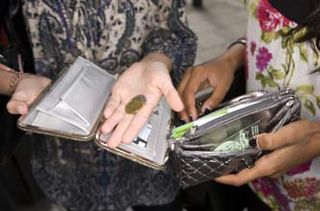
<point>235,55</point>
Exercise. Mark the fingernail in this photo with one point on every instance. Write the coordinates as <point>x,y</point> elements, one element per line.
<point>182,121</point>
<point>21,109</point>
<point>207,111</point>
<point>253,142</point>
<point>206,106</point>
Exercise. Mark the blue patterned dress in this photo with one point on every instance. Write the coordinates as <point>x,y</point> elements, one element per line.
<point>113,34</point>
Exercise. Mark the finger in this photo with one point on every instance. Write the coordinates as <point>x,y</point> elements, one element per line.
<point>171,95</point>
<point>139,120</point>
<point>113,103</point>
<point>19,103</point>
<point>190,92</point>
<point>183,115</point>
<point>243,177</point>
<point>116,137</point>
<point>174,100</point>
<point>292,133</point>
<point>113,120</point>
<point>184,81</point>
<point>216,98</point>
<point>17,107</point>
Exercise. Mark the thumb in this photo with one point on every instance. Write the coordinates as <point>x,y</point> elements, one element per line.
<point>293,133</point>
<point>172,96</point>
<point>17,107</point>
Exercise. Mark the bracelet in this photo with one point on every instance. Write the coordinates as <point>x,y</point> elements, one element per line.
<point>15,78</point>
<point>242,41</point>
<point>14,81</point>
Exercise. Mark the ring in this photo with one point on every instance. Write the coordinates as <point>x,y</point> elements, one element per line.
<point>135,104</point>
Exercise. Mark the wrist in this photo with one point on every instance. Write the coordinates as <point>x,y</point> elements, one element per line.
<point>15,81</point>
<point>235,56</point>
<point>159,58</point>
<point>9,79</point>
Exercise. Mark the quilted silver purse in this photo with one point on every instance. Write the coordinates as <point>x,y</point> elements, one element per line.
<point>219,143</point>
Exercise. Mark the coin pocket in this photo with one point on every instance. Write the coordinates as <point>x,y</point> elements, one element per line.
<point>73,103</point>
<point>87,97</point>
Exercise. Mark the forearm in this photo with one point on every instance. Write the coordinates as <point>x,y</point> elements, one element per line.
<point>5,78</point>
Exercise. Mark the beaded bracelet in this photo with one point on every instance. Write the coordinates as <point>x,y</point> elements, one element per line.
<point>15,78</point>
<point>242,41</point>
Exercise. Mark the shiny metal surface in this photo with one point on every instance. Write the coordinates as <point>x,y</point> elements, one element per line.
<point>221,146</point>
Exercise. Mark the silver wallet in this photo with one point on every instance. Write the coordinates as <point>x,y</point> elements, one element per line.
<point>213,145</point>
<point>219,143</point>
<point>72,108</point>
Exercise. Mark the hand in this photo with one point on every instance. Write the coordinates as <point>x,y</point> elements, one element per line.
<point>218,74</point>
<point>293,144</point>
<point>28,88</point>
<point>150,78</point>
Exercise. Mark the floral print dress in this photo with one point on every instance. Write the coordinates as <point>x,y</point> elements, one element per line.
<point>275,61</point>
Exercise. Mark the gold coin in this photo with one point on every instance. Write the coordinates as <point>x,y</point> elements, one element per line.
<point>135,104</point>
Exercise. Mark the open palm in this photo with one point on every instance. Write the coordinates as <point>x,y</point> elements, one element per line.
<point>150,79</point>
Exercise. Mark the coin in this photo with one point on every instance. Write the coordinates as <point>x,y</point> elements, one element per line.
<point>135,104</point>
